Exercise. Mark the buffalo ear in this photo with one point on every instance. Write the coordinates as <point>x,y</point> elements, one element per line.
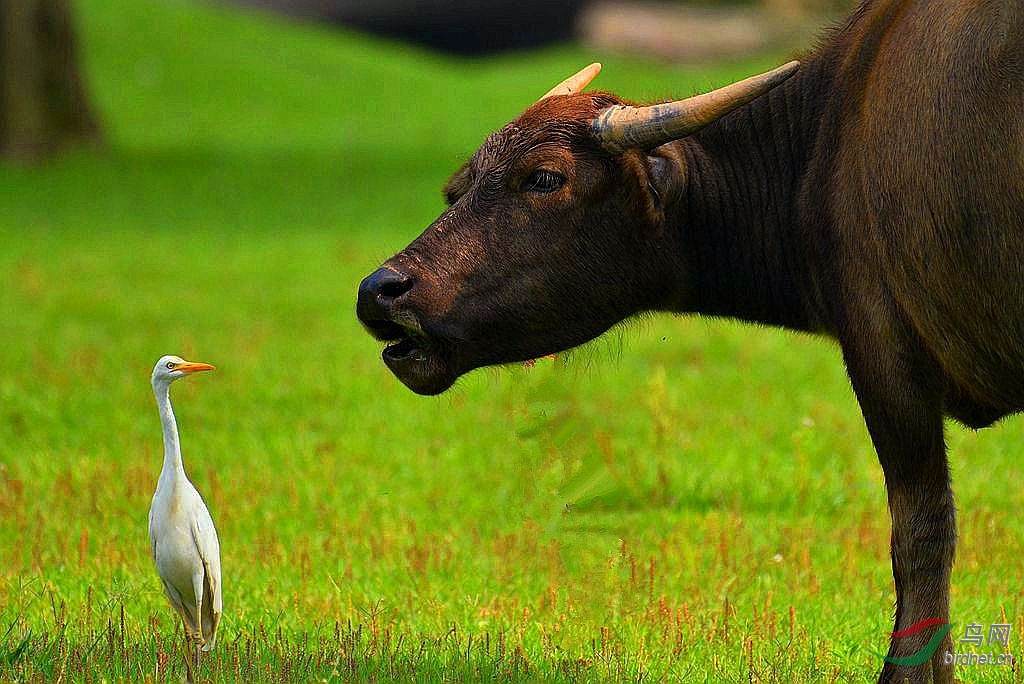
<point>458,185</point>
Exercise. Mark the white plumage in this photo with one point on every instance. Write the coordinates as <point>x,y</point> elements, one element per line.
<point>184,541</point>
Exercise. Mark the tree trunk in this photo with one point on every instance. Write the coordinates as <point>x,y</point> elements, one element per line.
<point>43,102</point>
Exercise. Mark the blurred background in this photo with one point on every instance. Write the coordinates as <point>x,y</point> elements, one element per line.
<point>672,30</point>
<point>45,101</point>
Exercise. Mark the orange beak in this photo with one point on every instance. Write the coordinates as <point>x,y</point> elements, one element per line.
<point>194,367</point>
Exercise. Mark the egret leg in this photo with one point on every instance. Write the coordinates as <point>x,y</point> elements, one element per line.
<point>189,671</point>
<point>197,637</point>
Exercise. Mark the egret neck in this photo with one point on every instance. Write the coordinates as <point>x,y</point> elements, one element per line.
<point>173,468</point>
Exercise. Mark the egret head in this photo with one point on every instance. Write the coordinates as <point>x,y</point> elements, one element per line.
<point>170,368</point>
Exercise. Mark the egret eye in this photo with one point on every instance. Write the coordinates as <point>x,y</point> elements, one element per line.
<point>170,365</point>
<point>543,181</point>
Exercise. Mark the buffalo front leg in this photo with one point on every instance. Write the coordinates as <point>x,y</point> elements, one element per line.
<point>905,421</point>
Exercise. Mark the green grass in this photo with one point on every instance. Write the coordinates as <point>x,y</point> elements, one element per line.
<point>689,500</point>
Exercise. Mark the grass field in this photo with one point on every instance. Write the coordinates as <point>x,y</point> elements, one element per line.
<point>687,500</point>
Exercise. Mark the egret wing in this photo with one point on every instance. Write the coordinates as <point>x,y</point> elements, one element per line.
<point>208,546</point>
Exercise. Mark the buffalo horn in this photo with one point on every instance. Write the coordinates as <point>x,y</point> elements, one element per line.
<point>622,127</point>
<point>576,82</point>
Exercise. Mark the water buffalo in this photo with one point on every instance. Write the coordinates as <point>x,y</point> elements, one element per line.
<point>873,193</point>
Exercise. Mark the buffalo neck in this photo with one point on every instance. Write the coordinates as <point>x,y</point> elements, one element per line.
<point>748,254</point>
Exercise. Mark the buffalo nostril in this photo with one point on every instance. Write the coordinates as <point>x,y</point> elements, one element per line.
<point>378,291</point>
<point>394,285</point>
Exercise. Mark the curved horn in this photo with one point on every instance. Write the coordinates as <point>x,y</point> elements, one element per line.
<point>621,127</point>
<point>576,82</point>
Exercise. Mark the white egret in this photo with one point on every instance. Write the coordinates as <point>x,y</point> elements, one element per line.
<point>184,540</point>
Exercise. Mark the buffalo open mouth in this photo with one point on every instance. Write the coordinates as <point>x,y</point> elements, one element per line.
<point>405,344</point>
<point>414,357</point>
<point>406,349</point>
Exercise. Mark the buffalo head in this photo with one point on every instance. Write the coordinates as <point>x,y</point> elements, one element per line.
<point>555,231</point>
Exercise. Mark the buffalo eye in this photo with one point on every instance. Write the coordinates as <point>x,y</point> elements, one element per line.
<point>543,180</point>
